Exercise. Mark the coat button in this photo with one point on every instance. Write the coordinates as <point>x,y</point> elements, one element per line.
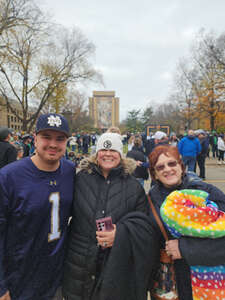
<point>93,277</point>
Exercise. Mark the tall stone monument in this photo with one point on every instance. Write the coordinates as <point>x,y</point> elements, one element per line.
<point>104,109</point>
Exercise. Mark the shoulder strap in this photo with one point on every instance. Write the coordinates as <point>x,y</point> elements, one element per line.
<point>157,218</point>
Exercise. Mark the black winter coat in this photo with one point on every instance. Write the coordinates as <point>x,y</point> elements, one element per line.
<point>97,197</point>
<point>131,260</point>
<point>8,153</point>
<point>194,251</point>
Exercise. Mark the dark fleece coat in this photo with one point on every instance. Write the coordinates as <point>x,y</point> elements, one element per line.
<point>95,197</point>
<point>129,264</point>
<point>194,251</point>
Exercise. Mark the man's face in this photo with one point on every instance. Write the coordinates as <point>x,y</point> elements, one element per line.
<point>50,145</point>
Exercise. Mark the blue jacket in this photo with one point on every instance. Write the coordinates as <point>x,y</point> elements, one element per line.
<point>189,146</point>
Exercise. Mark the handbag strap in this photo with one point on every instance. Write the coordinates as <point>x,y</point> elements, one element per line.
<point>157,218</point>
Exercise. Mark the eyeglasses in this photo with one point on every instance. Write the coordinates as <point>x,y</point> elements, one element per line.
<point>170,164</point>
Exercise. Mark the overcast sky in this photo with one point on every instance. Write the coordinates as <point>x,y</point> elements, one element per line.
<point>138,43</point>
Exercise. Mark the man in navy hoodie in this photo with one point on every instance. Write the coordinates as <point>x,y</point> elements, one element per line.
<point>36,195</point>
<point>189,147</point>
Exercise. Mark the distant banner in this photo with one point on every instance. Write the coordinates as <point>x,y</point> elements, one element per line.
<point>151,129</point>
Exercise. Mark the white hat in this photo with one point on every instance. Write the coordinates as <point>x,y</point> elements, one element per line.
<point>110,141</point>
<point>199,131</point>
<point>159,135</point>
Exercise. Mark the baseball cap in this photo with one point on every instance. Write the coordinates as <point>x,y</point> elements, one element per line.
<point>26,136</point>
<point>199,131</point>
<point>159,135</point>
<point>110,141</point>
<point>52,121</point>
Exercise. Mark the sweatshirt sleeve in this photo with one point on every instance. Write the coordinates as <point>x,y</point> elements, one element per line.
<point>3,225</point>
<point>205,251</point>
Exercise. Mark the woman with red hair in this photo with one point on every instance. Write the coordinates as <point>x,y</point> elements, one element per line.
<point>168,172</point>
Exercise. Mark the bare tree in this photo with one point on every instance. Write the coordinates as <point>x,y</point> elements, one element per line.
<point>184,92</point>
<point>17,13</point>
<point>33,71</point>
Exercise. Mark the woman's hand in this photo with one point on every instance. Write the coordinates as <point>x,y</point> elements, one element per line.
<point>172,249</point>
<point>106,238</point>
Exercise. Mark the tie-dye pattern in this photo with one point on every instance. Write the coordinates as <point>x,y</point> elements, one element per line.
<point>190,213</point>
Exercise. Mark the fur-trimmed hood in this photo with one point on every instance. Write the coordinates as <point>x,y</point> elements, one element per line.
<point>128,164</point>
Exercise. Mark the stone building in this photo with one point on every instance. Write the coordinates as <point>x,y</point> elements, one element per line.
<point>8,118</point>
<point>104,109</point>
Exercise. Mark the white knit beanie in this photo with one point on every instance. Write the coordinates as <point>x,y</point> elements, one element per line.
<point>110,141</point>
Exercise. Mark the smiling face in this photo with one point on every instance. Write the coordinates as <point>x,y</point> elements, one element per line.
<point>168,171</point>
<point>50,147</point>
<point>107,160</point>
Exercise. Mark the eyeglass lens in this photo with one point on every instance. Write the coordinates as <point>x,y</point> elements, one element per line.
<point>170,164</point>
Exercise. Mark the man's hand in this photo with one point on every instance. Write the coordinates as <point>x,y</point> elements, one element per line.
<point>6,296</point>
<point>106,238</point>
<point>172,249</point>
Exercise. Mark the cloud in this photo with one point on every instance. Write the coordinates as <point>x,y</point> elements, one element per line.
<point>138,43</point>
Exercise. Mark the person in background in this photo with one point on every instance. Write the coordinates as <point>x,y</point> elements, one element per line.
<point>130,143</point>
<point>26,140</point>
<point>221,149</point>
<point>158,138</point>
<point>73,142</point>
<point>85,143</point>
<point>149,145</point>
<point>173,141</point>
<point>19,150</point>
<point>141,173</point>
<point>8,152</point>
<point>189,147</point>
<point>79,143</point>
<point>213,140</point>
<point>168,170</point>
<point>114,129</point>
<point>116,263</point>
<point>36,195</point>
<point>93,139</point>
<point>201,157</point>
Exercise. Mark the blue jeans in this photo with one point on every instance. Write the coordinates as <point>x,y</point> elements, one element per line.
<point>190,162</point>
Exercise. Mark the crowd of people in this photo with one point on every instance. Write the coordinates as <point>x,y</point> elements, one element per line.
<point>75,220</point>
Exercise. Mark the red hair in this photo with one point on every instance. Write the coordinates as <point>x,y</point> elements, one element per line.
<point>167,150</point>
